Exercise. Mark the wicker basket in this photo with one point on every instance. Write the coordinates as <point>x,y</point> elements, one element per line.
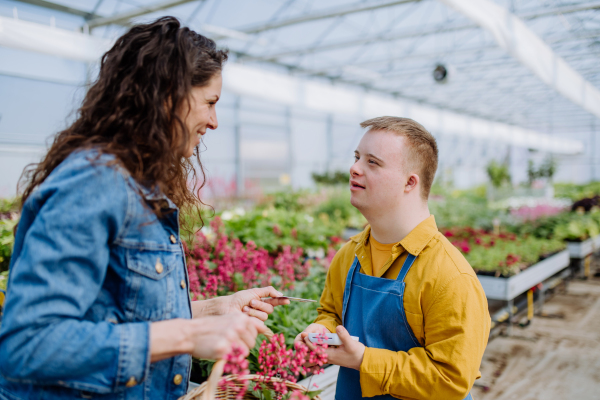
<point>210,389</point>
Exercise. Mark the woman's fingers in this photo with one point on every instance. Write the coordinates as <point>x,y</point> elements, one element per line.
<point>262,306</point>
<point>276,302</point>
<point>255,313</point>
<point>215,336</point>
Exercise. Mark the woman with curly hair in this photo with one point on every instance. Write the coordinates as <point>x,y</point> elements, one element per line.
<point>97,303</point>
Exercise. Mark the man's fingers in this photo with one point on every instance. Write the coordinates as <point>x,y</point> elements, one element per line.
<point>344,335</point>
<point>308,343</point>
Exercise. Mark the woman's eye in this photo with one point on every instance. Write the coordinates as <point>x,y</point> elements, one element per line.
<point>372,162</point>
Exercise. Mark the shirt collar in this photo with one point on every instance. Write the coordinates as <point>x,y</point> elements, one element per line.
<point>414,242</point>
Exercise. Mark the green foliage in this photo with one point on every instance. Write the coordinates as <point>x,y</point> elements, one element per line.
<point>3,280</point>
<point>274,228</point>
<point>546,170</point>
<point>339,209</point>
<point>469,210</point>
<point>331,178</point>
<point>568,226</point>
<point>529,250</point>
<point>291,200</point>
<point>7,241</point>
<point>498,173</point>
<point>9,205</point>
<point>576,192</point>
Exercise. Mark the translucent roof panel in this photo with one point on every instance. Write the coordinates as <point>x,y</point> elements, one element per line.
<point>384,46</point>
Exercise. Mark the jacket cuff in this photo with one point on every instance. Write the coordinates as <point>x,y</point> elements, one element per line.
<point>372,370</point>
<point>134,354</point>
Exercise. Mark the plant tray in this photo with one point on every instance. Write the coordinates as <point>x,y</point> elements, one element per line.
<point>509,288</point>
<point>326,382</point>
<point>583,249</point>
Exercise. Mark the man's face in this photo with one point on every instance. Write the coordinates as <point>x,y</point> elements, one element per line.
<point>378,176</point>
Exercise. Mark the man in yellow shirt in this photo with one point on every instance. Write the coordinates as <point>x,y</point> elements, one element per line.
<point>401,286</point>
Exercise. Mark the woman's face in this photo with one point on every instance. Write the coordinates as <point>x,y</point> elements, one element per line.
<point>202,114</point>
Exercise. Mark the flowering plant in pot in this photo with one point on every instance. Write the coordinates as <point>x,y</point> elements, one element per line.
<point>220,265</point>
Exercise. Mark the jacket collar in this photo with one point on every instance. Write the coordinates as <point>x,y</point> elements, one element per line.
<point>414,242</point>
<point>155,194</point>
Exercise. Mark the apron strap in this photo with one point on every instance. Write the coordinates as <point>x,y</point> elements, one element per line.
<point>353,269</point>
<point>410,259</point>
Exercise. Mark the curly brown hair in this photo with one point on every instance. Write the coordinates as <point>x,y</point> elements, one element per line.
<point>130,111</point>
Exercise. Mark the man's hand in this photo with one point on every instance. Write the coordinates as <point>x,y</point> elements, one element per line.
<point>349,354</point>
<point>247,301</point>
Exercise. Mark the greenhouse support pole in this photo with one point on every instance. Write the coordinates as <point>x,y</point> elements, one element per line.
<point>329,138</point>
<point>237,131</point>
<point>593,151</point>
<point>290,140</point>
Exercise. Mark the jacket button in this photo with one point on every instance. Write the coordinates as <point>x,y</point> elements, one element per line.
<point>131,382</point>
<point>182,284</point>
<point>178,379</point>
<point>159,266</point>
<point>173,239</point>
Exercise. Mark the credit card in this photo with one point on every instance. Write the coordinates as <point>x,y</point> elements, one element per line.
<point>291,299</point>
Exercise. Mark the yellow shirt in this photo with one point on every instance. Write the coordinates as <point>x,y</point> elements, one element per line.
<point>446,309</point>
<point>380,253</point>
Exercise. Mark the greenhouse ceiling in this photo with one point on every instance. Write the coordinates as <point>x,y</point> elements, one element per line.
<point>524,63</point>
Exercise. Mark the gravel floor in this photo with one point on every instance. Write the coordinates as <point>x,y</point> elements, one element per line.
<point>556,357</point>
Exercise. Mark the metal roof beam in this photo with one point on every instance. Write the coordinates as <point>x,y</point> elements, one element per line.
<point>412,34</point>
<point>59,7</point>
<point>124,17</point>
<point>512,34</point>
<point>328,13</point>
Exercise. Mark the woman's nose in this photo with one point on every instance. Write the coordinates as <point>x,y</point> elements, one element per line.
<point>213,123</point>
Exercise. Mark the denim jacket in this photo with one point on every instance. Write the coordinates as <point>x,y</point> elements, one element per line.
<point>92,267</point>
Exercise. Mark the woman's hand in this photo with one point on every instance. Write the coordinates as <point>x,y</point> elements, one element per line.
<point>247,301</point>
<point>209,337</point>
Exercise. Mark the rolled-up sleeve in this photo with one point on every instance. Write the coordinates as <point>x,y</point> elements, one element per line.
<point>55,278</point>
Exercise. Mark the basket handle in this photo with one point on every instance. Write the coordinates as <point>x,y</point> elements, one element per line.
<point>213,380</point>
<point>217,373</point>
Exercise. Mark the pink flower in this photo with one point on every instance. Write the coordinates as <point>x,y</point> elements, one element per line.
<point>298,395</point>
<point>236,364</point>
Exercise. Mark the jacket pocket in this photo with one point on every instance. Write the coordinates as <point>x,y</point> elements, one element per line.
<point>150,284</point>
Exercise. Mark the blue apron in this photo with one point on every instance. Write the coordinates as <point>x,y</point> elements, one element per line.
<point>374,311</point>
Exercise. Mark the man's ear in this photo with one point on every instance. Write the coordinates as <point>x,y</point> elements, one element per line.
<point>412,183</point>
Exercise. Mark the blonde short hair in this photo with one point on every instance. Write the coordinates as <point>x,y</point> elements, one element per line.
<point>423,151</point>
